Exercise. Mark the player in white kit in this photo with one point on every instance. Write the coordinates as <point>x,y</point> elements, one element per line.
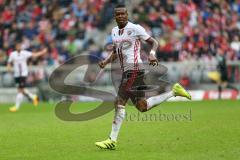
<point>126,38</point>
<point>18,60</point>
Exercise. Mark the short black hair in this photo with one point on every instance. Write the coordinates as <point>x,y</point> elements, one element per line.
<point>18,42</point>
<point>120,6</point>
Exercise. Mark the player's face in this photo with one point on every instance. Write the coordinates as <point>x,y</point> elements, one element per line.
<point>121,16</point>
<point>18,46</point>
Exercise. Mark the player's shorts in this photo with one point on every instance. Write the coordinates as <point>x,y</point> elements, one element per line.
<point>132,86</point>
<point>224,76</point>
<point>20,82</point>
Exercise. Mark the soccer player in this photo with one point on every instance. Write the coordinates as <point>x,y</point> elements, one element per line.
<point>18,59</point>
<point>223,82</point>
<point>132,67</point>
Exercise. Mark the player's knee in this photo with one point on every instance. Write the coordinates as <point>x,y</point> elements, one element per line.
<point>119,101</point>
<point>141,105</point>
<point>21,90</point>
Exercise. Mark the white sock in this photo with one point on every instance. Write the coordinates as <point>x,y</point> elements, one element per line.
<point>118,119</point>
<point>19,99</point>
<point>156,100</point>
<point>29,94</point>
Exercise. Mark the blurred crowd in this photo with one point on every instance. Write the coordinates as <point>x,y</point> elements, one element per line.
<point>186,29</point>
<point>192,29</point>
<point>66,27</point>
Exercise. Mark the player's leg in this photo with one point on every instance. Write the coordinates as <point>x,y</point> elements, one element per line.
<point>146,104</point>
<point>119,116</point>
<point>31,96</point>
<point>222,83</point>
<point>230,86</point>
<point>219,90</point>
<point>19,96</point>
<point>225,85</point>
<point>28,94</point>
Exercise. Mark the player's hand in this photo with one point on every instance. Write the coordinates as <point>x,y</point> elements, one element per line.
<point>152,60</point>
<point>102,64</point>
<point>9,68</point>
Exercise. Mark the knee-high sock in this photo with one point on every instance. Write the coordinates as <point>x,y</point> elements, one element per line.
<point>156,100</point>
<point>28,94</point>
<point>117,122</point>
<point>19,99</point>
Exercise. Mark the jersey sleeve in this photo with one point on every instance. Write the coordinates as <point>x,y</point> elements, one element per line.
<point>113,44</point>
<point>141,33</point>
<point>27,54</point>
<point>112,34</point>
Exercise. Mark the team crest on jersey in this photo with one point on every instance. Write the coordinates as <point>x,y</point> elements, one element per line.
<point>129,32</point>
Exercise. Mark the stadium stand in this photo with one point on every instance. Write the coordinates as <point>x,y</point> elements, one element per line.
<point>189,30</point>
<point>65,26</point>
<point>196,28</point>
<point>192,29</point>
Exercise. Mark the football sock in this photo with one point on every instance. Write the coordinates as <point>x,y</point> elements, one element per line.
<point>19,99</point>
<point>117,122</point>
<point>28,94</point>
<point>156,100</point>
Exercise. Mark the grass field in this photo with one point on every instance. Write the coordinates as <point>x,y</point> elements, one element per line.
<point>210,132</point>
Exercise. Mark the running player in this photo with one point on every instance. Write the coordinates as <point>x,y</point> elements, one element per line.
<point>18,60</point>
<point>131,64</point>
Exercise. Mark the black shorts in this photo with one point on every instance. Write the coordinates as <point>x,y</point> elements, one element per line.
<point>224,76</point>
<point>20,82</point>
<point>132,86</point>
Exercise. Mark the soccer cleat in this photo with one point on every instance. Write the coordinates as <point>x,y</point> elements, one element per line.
<point>35,100</point>
<point>107,144</point>
<point>178,90</point>
<point>13,109</point>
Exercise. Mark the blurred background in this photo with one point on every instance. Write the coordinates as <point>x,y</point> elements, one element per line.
<point>192,35</point>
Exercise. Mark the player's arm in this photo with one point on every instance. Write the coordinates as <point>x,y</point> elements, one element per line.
<point>9,67</point>
<point>40,53</point>
<point>152,56</point>
<point>9,63</point>
<point>109,59</point>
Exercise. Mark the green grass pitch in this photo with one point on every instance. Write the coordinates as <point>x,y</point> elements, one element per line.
<point>206,130</point>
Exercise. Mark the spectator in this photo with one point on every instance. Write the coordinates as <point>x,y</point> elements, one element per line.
<point>50,22</point>
<point>200,26</point>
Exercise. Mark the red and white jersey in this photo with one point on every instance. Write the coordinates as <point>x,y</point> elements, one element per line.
<point>19,60</point>
<point>128,45</point>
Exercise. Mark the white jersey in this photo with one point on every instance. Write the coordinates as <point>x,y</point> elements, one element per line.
<point>128,45</point>
<point>19,61</point>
